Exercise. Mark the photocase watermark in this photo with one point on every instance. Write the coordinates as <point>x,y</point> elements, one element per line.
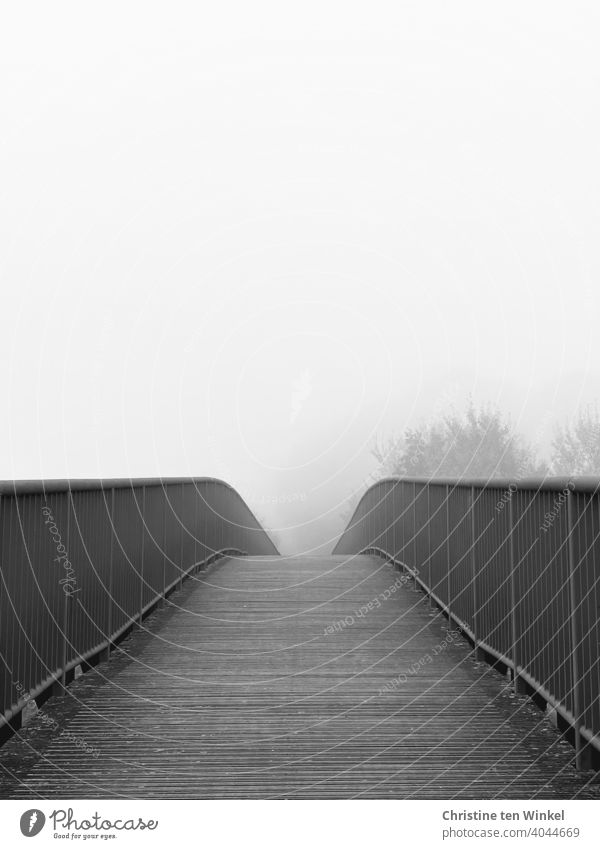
<point>505,497</point>
<point>90,827</point>
<point>96,823</point>
<point>366,608</point>
<point>32,822</point>
<point>550,516</point>
<point>415,667</point>
<point>276,498</point>
<point>69,581</point>
<point>53,725</point>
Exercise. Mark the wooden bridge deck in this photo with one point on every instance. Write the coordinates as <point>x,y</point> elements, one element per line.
<point>263,678</point>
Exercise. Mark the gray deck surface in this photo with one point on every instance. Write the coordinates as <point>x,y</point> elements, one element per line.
<point>261,679</point>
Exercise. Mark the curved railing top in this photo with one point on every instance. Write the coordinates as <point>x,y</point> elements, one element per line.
<point>582,484</point>
<point>576,483</point>
<point>29,487</point>
<point>58,485</point>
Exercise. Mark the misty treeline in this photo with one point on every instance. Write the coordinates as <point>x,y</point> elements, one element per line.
<point>482,443</point>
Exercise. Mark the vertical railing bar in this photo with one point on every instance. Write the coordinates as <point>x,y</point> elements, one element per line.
<point>5,680</point>
<point>582,751</point>
<point>526,632</point>
<point>181,537</point>
<point>111,566</point>
<point>414,529</point>
<point>429,590</point>
<point>142,552</point>
<point>196,528</point>
<point>448,584</point>
<point>16,598</point>
<point>596,607</point>
<point>12,652</point>
<point>474,593</point>
<point>403,524</point>
<point>518,683</point>
<point>29,658</point>
<point>5,686</point>
<point>165,504</point>
<point>65,627</point>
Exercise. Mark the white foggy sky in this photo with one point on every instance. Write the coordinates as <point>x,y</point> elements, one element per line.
<point>240,240</point>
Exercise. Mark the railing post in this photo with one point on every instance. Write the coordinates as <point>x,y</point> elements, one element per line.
<point>429,596</point>
<point>181,536</point>
<point>401,522</point>
<point>448,585</point>
<point>66,609</point>
<point>109,617</point>
<point>518,683</point>
<point>65,628</point>
<point>414,534</point>
<point>196,529</point>
<point>583,759</point>
<point>142,553</point>
<point>164,543</point>
<point>479,653</point>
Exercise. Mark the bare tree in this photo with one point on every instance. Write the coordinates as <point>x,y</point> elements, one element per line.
<point>576,445</point>
<point>480,443</point>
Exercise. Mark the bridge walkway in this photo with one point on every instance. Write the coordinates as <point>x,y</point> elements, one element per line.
<point>304,677</point>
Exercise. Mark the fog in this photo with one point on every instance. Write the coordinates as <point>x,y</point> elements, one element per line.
<point>243,242</point>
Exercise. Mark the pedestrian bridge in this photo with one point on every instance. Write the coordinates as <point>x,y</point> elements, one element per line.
<point>448,648</point>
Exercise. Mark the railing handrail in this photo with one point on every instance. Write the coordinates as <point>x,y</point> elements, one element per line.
<point>577,483</point>
<point>551,483</point>
<point>55,485</point>
<point>50,485</point>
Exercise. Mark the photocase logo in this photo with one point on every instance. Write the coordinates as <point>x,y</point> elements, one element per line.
<point>32,822</point>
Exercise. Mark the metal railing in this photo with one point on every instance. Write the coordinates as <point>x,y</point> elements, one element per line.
<point>82,560</point>
<point>516,565</point>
